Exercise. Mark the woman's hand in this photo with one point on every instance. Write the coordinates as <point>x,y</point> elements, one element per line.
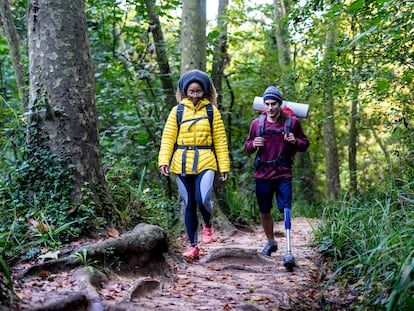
<point>165,170</point>
<point>224,176</point>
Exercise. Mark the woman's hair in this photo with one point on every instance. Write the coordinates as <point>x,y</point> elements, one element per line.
<point>202,79</point>
<point>212,97</point>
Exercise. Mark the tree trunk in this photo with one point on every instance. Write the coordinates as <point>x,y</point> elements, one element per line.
<point>329,133</point>
<point>193,56</point>
<point>306,187</point>
<point>220,60</point>
<point>353,134</point>
<point>217,72</point>
<point>193,35</point>
<point>161,53</point>
<point>62,82</point>
<point>14,46</point>
<point>163,64</point>
<point>282,33</point>
<point>220,51</point>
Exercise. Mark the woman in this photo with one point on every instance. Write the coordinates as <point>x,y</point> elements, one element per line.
<point>194,147</point>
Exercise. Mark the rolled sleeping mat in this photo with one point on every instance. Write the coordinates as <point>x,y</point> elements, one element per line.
<point>300,110</point>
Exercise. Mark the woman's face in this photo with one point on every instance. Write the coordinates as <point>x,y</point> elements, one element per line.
<point>195,92</point>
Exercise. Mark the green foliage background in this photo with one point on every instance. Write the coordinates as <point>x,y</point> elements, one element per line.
<point>374,48</point>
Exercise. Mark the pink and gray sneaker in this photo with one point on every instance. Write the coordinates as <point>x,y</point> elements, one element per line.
<point>207,236</point>
<point>192,252</point>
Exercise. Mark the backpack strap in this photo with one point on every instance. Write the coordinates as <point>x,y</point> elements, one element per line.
<point>262,118</point>
<point>180,112</point>
<point>284,159</point>
<point>210,116</point>
<point>179,116</point>
<point>288,123</point>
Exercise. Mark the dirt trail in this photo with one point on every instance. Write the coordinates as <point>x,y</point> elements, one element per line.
<point>241,278</point>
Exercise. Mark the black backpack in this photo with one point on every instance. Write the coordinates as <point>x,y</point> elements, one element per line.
<point>180,112</point>
<point>262,118</point>
<point>284,159</point>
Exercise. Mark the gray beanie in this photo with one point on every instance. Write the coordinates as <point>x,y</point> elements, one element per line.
<point>195,76</point>
<point>273,92</point>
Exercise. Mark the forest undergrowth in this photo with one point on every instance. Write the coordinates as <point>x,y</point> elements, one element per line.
<point>366,241</point>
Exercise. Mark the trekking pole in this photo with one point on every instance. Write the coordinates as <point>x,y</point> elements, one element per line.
<point>288,259</point>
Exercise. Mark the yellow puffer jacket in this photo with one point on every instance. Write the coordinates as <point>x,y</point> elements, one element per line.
<point>194,133</point>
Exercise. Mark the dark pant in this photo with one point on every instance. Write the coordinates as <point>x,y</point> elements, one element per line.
<point>196,191</point>
<point>266,189</point>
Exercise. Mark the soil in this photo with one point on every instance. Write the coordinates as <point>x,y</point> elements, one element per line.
<point>230,274</point>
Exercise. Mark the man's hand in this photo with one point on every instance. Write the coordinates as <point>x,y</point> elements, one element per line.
<point>258,141</point>
<point>290,138</point>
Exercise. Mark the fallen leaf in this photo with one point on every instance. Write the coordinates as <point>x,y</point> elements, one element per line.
<point>227,307</point>
<point>77,243</point>
<point>43,274</point>
<point>189,294</point>
<point>113,233</point>
<point>32,222</point>
<point>256,298</point>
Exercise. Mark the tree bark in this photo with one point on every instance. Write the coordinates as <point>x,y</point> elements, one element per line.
<point>304,167</point>
<point>193,35</point>
<point>136,248</point>
<point>281,32</point>
<point>161,54</point>
<point>217,73</point>
<point>220,51</point>
<point>353,135</point>
<point>62,81</point>
<point>329,132</point>
<point>14,46</point>
<point>193,56</point>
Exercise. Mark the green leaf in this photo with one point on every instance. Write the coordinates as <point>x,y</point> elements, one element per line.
<point>355,6</point>
<point>408,77</point>
<point>50,255</point>
<point>382,85</point>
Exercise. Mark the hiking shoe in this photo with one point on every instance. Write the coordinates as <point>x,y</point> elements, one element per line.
<point>192,252</point>
<point>269,248</point>
<point>207,236</point>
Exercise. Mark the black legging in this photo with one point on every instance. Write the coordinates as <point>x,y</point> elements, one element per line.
<point>196,192</point>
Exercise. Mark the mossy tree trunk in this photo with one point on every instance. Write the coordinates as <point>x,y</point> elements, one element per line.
<point>10,31</point>
<point>163,64</point>
<point>220,59</point>
<point>62,84</point>
<point>161,53</point>
<point>220,56</point>
<point>329,132</point>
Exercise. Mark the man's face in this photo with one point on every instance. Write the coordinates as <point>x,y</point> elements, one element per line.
<point>272,107</point>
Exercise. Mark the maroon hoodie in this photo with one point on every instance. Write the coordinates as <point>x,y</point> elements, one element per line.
<point>275,146</point>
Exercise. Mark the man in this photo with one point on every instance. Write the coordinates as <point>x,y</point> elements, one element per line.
<point>276,136</point>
